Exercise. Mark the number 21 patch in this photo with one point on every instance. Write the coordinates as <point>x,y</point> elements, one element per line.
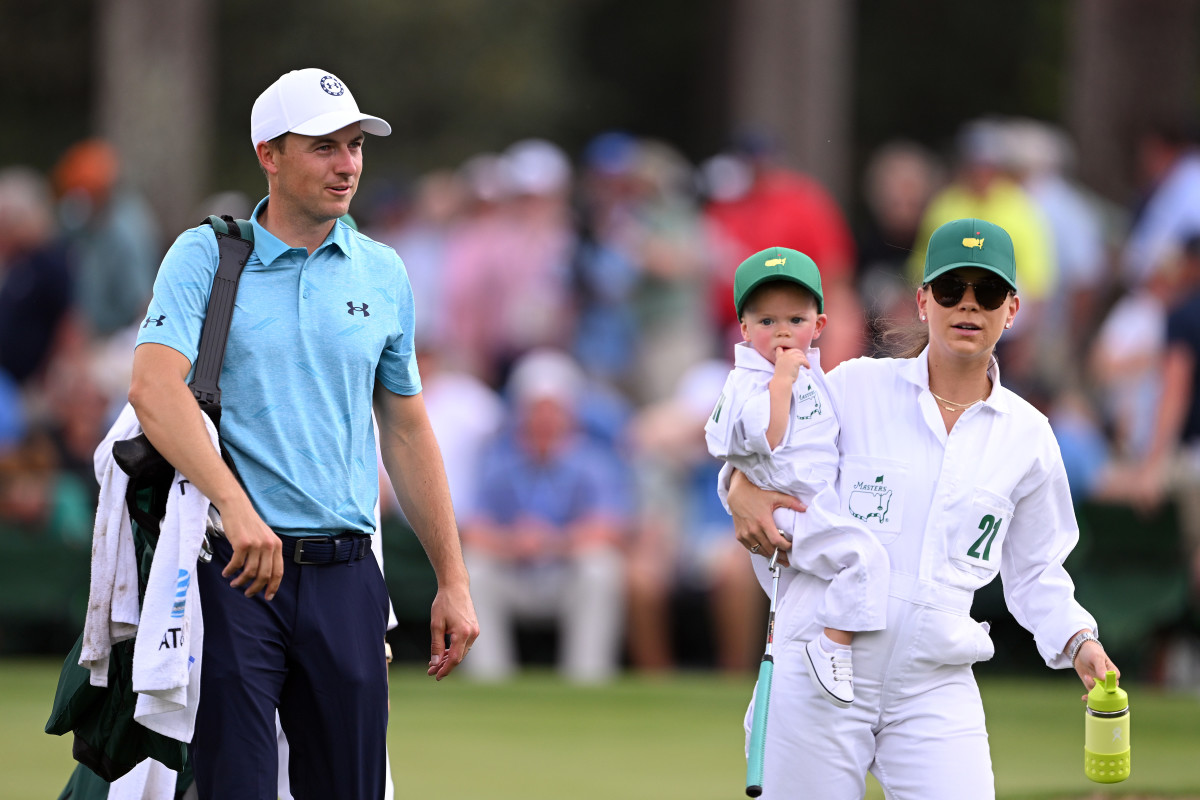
<point>990,526</point>
<point>980,539</point>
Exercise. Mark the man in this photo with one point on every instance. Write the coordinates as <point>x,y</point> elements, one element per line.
<point>773,205</point>
<point>36,284</point>
<point>1168,212</point>
<point>294,613</point>
<point>113,235</point>
<point>544,538</point>
<point>983,188</point>
<point>1171,465</point>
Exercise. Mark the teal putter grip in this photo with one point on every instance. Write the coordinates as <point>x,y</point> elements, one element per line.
<point>758,730</point>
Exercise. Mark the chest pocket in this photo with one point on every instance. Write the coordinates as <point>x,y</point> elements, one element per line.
<point>977,543</point>
<point>352,327</point>
<point>873,491</point>
<point>809,405</point>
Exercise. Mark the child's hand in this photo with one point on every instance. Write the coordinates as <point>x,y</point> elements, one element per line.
<point>789,362</point>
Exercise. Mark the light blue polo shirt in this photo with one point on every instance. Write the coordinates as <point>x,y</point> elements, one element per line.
<point>310,336</point>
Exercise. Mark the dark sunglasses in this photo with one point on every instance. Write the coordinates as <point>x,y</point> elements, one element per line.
<point>989,292</point>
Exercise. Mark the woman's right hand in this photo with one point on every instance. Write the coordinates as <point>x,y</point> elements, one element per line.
<point>753,516</point>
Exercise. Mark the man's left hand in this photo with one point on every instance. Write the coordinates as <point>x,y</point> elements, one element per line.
<point>453,616</point>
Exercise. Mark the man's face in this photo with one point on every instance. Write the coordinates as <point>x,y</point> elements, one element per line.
<point>318,175</point>
<point>546,423</point>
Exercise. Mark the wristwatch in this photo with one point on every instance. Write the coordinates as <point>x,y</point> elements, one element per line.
<point>1077,642</point>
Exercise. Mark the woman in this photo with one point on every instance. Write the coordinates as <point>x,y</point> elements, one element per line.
<point>961,480</point>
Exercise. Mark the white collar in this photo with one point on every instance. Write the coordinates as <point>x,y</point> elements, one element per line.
<point>916,371</point>
<point>747,357</point>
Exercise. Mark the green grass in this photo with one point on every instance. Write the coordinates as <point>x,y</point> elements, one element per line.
<point>678,737</point>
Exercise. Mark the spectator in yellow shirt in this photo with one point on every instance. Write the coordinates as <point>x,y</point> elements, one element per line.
<point>983,190</point>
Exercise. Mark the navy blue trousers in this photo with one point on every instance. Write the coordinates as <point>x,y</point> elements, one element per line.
<point>315,652</point>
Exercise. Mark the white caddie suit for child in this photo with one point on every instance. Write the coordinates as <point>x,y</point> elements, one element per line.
<point>825,542</point>
<point>953,510</point>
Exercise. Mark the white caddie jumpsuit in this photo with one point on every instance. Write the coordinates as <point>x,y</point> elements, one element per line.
<point>826,542</point>
<point>952,510</point>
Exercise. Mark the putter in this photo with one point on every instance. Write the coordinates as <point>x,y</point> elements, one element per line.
<point>756,755</point>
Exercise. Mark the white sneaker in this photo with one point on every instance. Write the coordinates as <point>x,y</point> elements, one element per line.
<point>832,675</point>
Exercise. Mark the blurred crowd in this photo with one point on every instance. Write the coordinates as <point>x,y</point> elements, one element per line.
<point>575,325</point>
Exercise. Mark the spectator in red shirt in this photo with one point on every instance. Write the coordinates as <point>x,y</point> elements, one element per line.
<point>755,203</point>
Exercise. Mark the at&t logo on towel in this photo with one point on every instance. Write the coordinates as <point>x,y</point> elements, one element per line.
<point>181,590</point>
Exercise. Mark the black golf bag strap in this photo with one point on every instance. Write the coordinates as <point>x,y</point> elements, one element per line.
<point>148,518</point>
<point>235,241</point>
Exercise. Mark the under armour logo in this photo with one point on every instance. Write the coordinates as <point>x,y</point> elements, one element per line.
<point>157,322</point>
<point>332,86</point>
<point>353,308</point>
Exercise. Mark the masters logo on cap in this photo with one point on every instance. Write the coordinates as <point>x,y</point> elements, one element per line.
<point>776,264</point>
<point>971,243</point>
<point>312,102</point>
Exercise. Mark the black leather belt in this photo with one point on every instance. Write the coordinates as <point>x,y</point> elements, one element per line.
<point>326,549</point>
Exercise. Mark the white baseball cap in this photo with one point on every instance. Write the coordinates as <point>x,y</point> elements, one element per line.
<point>546,374</point>
<point>311,102</point>
<point>537,167</point>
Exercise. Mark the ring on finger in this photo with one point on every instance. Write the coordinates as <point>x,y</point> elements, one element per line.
<point>755,548</point>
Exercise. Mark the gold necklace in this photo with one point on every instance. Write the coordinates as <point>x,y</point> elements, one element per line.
<point>949,404</point>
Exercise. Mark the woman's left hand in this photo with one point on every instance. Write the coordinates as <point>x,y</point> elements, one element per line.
<point>1092,663</point>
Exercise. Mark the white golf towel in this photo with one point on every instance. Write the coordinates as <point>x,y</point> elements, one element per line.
<point>149,780</point>
<point>170,639</point>
<point>112,613</point>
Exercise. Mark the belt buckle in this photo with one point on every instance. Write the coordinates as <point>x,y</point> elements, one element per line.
<point>298,553</point>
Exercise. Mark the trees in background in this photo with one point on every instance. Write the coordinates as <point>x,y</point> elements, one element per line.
<point>172,83</point>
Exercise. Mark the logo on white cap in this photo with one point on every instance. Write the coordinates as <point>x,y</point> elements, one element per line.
<point>332,85</point>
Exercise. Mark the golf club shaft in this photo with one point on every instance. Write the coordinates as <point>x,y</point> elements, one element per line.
<point>756,753</point>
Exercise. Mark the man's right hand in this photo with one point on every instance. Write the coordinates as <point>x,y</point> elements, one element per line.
<point>1147,485</point>
<point>257,560</point>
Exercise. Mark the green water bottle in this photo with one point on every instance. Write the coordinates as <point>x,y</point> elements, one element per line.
<point>1106,732</point>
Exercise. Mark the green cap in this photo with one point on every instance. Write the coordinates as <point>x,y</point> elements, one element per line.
<point>971,243</point>
<point>776,264</point>
<point>1107,696</point>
